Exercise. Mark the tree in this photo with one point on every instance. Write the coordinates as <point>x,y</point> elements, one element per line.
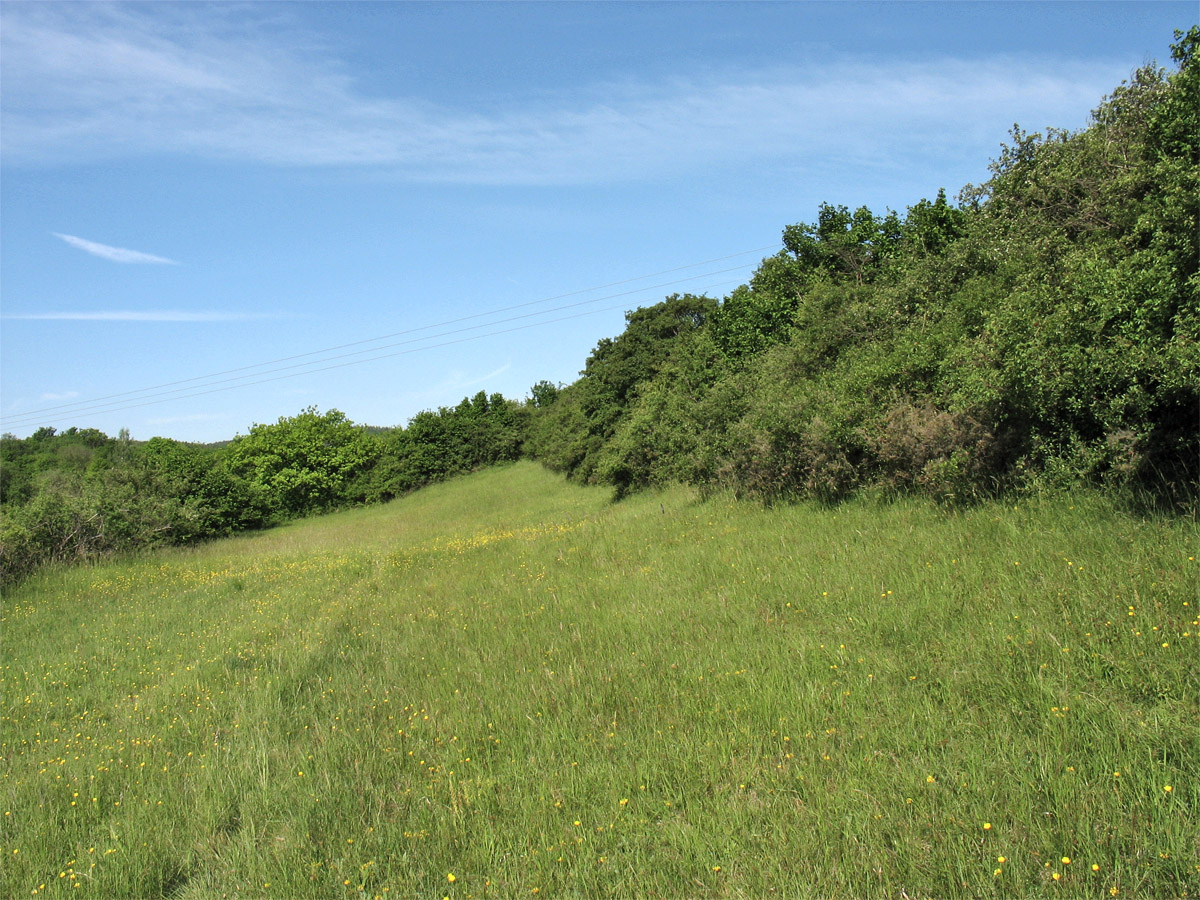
<point>543,394</point>
<point>843,244</point>
<point>200,478</point>
<point>570,434</point>
<point>304,463</point>
<point>929,228</point>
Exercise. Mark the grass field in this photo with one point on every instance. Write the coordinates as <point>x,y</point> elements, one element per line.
<point>505,686</point>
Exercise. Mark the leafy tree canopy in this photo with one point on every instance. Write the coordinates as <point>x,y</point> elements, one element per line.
<point>302,463</point>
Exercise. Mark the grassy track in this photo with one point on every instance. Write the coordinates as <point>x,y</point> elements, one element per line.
<point>507,687</point>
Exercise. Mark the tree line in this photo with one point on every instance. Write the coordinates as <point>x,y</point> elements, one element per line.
<point>81,494</point>
<point>1041,330</point>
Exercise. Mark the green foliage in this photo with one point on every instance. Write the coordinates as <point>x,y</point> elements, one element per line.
<point>843,245</point>
<point>543,394</point>
<point>1043,331</point>
<point>22,462</point>
<point>678,421</point>
<point>843,251</point>
<point>74,517</point>
<point>560,434</point>
<point>81,495</point>
<point>201,479</point>
<point>753,317</point>
<point>304,463</point>
<point>929,228</point>
<point>1089,342</point>
<point>570,435</point>
<point>481,431</point>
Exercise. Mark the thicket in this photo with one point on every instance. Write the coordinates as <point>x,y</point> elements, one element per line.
<point>570,433</point>
<point>1043,330</point>
<point>80,495</point>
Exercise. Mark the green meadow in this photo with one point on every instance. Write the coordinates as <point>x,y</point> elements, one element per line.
<point>508,686</point>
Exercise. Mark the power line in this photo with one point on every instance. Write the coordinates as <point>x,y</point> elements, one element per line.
<point>94,407</point>
<point>217,390</point>
<point>98,404</point>
<point>85,403</point>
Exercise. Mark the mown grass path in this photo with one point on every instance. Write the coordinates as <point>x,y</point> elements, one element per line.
<point>505,686</point>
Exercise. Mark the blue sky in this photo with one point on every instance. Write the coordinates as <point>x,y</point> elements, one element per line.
<point>215,215</point>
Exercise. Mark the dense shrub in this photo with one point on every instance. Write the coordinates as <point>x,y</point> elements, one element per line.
<point>916,446</point>
<point>1043,331</point>
<point>570,434</point>
<point>81,495</point>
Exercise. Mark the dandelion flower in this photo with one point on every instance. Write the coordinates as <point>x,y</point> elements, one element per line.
<point>450,878</point>
<point>1066,860</point>
<point>1168,788</point>
<point>987,826</point>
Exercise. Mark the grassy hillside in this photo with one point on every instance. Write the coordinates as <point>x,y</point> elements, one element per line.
<point>504,686</point>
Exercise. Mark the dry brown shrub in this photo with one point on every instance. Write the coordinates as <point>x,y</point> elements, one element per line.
<point>917,446</point>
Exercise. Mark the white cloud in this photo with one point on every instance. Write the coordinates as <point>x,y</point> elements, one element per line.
<point>68,395</point>
<point>165,315</point>
<point>95,81</point>
<point>116,254</point>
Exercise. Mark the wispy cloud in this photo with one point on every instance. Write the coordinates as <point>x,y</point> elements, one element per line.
<point>490,375</point>
<point>66,395</point>
<point>116,254</point>
<point>103,80</point>
<point>164,315</point>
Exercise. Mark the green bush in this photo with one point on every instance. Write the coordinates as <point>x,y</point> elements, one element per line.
<point>1044,331</point>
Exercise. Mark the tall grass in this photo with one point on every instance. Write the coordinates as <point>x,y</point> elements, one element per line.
<point>505,686</point>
